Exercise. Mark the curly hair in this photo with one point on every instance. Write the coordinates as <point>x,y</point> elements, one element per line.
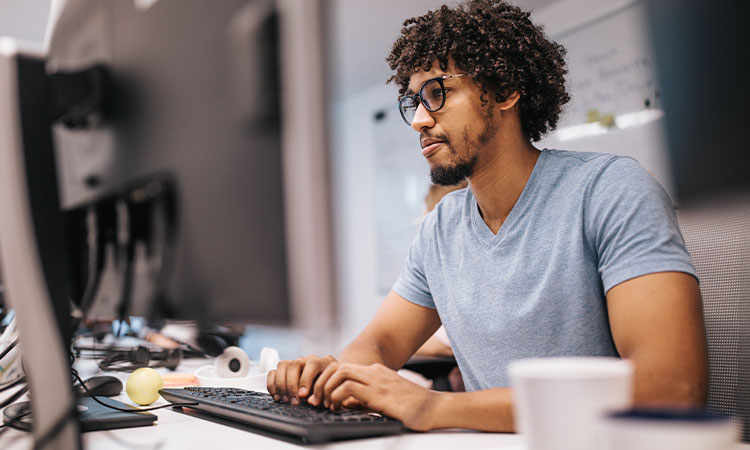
<point>499,47</point>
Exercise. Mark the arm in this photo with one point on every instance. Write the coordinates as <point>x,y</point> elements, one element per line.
<point>380,389</point>
<point>657,322</point>
<point>394,334</point>
<point>366,377</point>
<point>397,330</point>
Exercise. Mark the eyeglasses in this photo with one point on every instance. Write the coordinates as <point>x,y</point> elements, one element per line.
<point>431,95</point>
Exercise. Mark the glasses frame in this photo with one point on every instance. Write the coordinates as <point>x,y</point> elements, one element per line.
<point>419,98</point>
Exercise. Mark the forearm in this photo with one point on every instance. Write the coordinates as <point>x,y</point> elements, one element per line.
<point>393,335</point>
<point>366,351</point>
<point>487,410</point>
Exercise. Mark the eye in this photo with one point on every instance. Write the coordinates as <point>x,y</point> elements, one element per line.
<point>433,97</point>
<point>409,101</point>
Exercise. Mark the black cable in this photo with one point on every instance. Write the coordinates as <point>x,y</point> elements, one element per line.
<point>72,413</point>
<point>94,261</point>
<point>126,289</point>
<point>153,408</point>
<point>12,422</point>
<point>8,348</point>
<point>14,397</point>
<point>15,382</point>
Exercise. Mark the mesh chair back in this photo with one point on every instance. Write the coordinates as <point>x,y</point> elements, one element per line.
<point>719,242</point>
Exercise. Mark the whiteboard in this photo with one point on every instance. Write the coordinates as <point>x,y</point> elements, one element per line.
<point>615,104</point>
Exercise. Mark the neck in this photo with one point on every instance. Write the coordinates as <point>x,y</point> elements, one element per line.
<point>500,177</point>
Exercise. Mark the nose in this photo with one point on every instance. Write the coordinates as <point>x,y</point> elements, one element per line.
<point>422,119</point>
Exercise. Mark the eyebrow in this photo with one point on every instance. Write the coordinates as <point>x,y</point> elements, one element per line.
<point>411,92</point>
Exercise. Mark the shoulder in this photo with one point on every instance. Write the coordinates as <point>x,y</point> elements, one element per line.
<point>600,170</point>
<point>626,176</point>
<point>585,162</point>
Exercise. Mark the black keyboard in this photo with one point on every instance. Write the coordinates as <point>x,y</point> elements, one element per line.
<point>311,424</point>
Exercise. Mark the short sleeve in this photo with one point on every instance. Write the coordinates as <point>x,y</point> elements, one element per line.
<point>631,225</point>
<point>412,283</point>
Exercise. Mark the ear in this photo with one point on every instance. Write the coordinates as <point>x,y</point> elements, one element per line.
<point>510,101</point>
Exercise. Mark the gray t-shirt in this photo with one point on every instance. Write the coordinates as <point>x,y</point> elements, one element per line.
<point>584,223</point>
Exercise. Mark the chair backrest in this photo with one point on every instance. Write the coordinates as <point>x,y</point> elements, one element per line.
<point>719,242</point>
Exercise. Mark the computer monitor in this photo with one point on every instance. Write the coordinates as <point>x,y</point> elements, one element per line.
<point>185,154</point>
<point>702,53</point>
<point>178,146</point>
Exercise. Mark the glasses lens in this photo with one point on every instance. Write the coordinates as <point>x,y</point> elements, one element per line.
<point>433,95</point>
<point>408,108</point>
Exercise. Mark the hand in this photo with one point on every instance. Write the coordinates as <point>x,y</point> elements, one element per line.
<point>376,388</point>
<point>293,380</point>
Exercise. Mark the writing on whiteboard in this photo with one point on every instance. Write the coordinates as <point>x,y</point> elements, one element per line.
<point>611,69</point>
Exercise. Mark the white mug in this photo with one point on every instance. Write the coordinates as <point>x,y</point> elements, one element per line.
<point>559,402</point>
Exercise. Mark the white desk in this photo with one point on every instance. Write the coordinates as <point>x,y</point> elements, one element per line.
<point>179,431</point>
<point>176,431</point>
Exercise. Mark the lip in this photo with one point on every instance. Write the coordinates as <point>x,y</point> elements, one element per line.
<point>429,146</point>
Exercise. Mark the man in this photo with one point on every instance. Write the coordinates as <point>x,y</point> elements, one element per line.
<point>546,253</point>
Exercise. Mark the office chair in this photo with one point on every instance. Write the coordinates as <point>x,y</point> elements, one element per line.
<point>719,243</point>
<point>435,368</point>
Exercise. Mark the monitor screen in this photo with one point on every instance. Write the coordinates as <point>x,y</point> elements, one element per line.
<point>183,132</point>
<point>702,59</point>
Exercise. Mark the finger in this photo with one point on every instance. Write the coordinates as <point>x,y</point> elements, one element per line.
<point>312,369</point>
<point>354,372</point>
<point>347,390</point>
<point>352,403</point>
<point>318,396</point>
<point>361,374</point>
<point>293,372</point>
<point>271,382</point>
<point>280,380</point>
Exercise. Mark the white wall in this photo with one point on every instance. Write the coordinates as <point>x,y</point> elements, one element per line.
<point>24,19</point>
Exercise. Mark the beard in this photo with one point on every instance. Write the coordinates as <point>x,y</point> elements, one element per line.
<point>462,167</point>
<point>454,174</point>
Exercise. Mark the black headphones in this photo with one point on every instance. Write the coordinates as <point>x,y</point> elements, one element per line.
<point>135,358</point>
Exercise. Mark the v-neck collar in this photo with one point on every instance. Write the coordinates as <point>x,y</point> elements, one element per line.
<point>483,230</point>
